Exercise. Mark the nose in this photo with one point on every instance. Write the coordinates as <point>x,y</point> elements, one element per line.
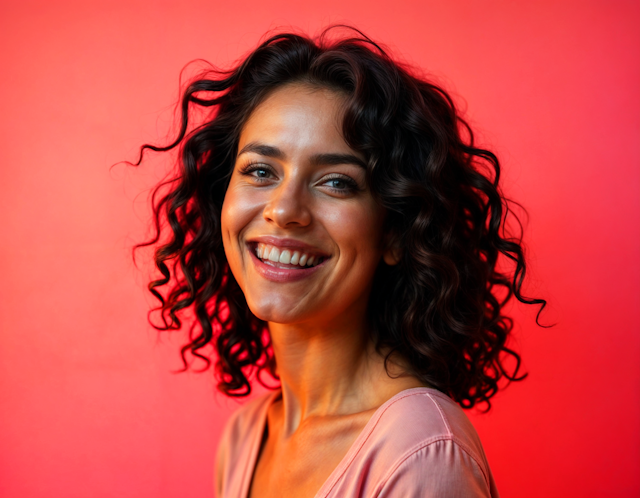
<point>288,205</point>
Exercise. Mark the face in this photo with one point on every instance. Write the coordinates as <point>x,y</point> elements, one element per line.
<point>301,230</point>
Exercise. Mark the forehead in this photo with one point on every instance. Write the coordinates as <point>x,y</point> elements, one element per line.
<point>298,117</point>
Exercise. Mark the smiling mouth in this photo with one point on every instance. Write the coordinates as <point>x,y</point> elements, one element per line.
<point>285,258</point>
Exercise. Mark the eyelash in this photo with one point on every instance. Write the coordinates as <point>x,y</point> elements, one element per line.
<point>351,185</point>
<point>253,167</point>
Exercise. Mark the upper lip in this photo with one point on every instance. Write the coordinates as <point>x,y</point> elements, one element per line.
<point>290,244</point>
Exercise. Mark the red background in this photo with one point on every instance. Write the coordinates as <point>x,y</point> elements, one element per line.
<point>88,404</point>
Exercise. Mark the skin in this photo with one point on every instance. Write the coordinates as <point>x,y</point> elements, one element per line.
<point>332,378</point>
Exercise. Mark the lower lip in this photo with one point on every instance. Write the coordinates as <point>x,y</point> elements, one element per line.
<point>282,274</point>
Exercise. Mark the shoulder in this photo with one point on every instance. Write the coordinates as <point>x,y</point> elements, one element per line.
<point>419,443</point>
<point>246,418</point>
<point>418,417</point>
<point>240,435</point>
<point>437,450</point>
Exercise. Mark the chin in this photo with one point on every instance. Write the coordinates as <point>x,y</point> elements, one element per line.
<point>276,310</point>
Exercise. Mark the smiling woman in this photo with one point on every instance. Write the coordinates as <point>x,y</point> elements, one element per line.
<point>333,224</point>
<point>299,191</point>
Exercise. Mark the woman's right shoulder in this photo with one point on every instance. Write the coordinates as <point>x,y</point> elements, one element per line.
<point>243,428</point>
<point>247,417</point>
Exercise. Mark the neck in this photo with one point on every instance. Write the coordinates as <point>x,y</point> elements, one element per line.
<point>331,370</point>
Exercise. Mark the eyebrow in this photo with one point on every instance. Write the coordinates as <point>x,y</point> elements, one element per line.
<point>263,150</point>
<point>326,159</point>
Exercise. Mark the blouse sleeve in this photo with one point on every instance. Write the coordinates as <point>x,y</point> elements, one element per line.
<point>221,463</point>
<point>441,469</point>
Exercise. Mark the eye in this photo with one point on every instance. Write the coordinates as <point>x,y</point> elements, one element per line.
<point>341,184</point>
<point>338,183</point>
<point>258,172</point>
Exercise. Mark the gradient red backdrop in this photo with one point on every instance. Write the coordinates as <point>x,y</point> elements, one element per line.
<point>88,404</point>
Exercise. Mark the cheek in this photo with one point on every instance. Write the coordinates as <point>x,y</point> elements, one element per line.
<point>238,210</point>
<point>358,232</point>
<point>227,220</point>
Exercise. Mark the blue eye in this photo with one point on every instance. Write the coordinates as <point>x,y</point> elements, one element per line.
<point>338,183</point>
<point>259,172</point>
<point>341,184</point>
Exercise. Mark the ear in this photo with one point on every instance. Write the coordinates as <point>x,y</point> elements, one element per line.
<point>393,252</point>
<point>392,256</point>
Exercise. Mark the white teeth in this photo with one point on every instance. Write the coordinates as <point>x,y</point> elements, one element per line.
<point>268,252</point>
<point>274,255</point>
<point>285,257</point>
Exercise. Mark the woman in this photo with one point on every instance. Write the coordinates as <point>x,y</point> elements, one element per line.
<point>333,224</point>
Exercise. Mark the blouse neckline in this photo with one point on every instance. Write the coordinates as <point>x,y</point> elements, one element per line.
<point>353,451</point>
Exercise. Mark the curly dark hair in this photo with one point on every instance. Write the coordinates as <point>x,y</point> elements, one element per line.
<point>440,308</point>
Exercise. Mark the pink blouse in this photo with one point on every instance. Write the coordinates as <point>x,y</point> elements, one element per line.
<point>417,444</point>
